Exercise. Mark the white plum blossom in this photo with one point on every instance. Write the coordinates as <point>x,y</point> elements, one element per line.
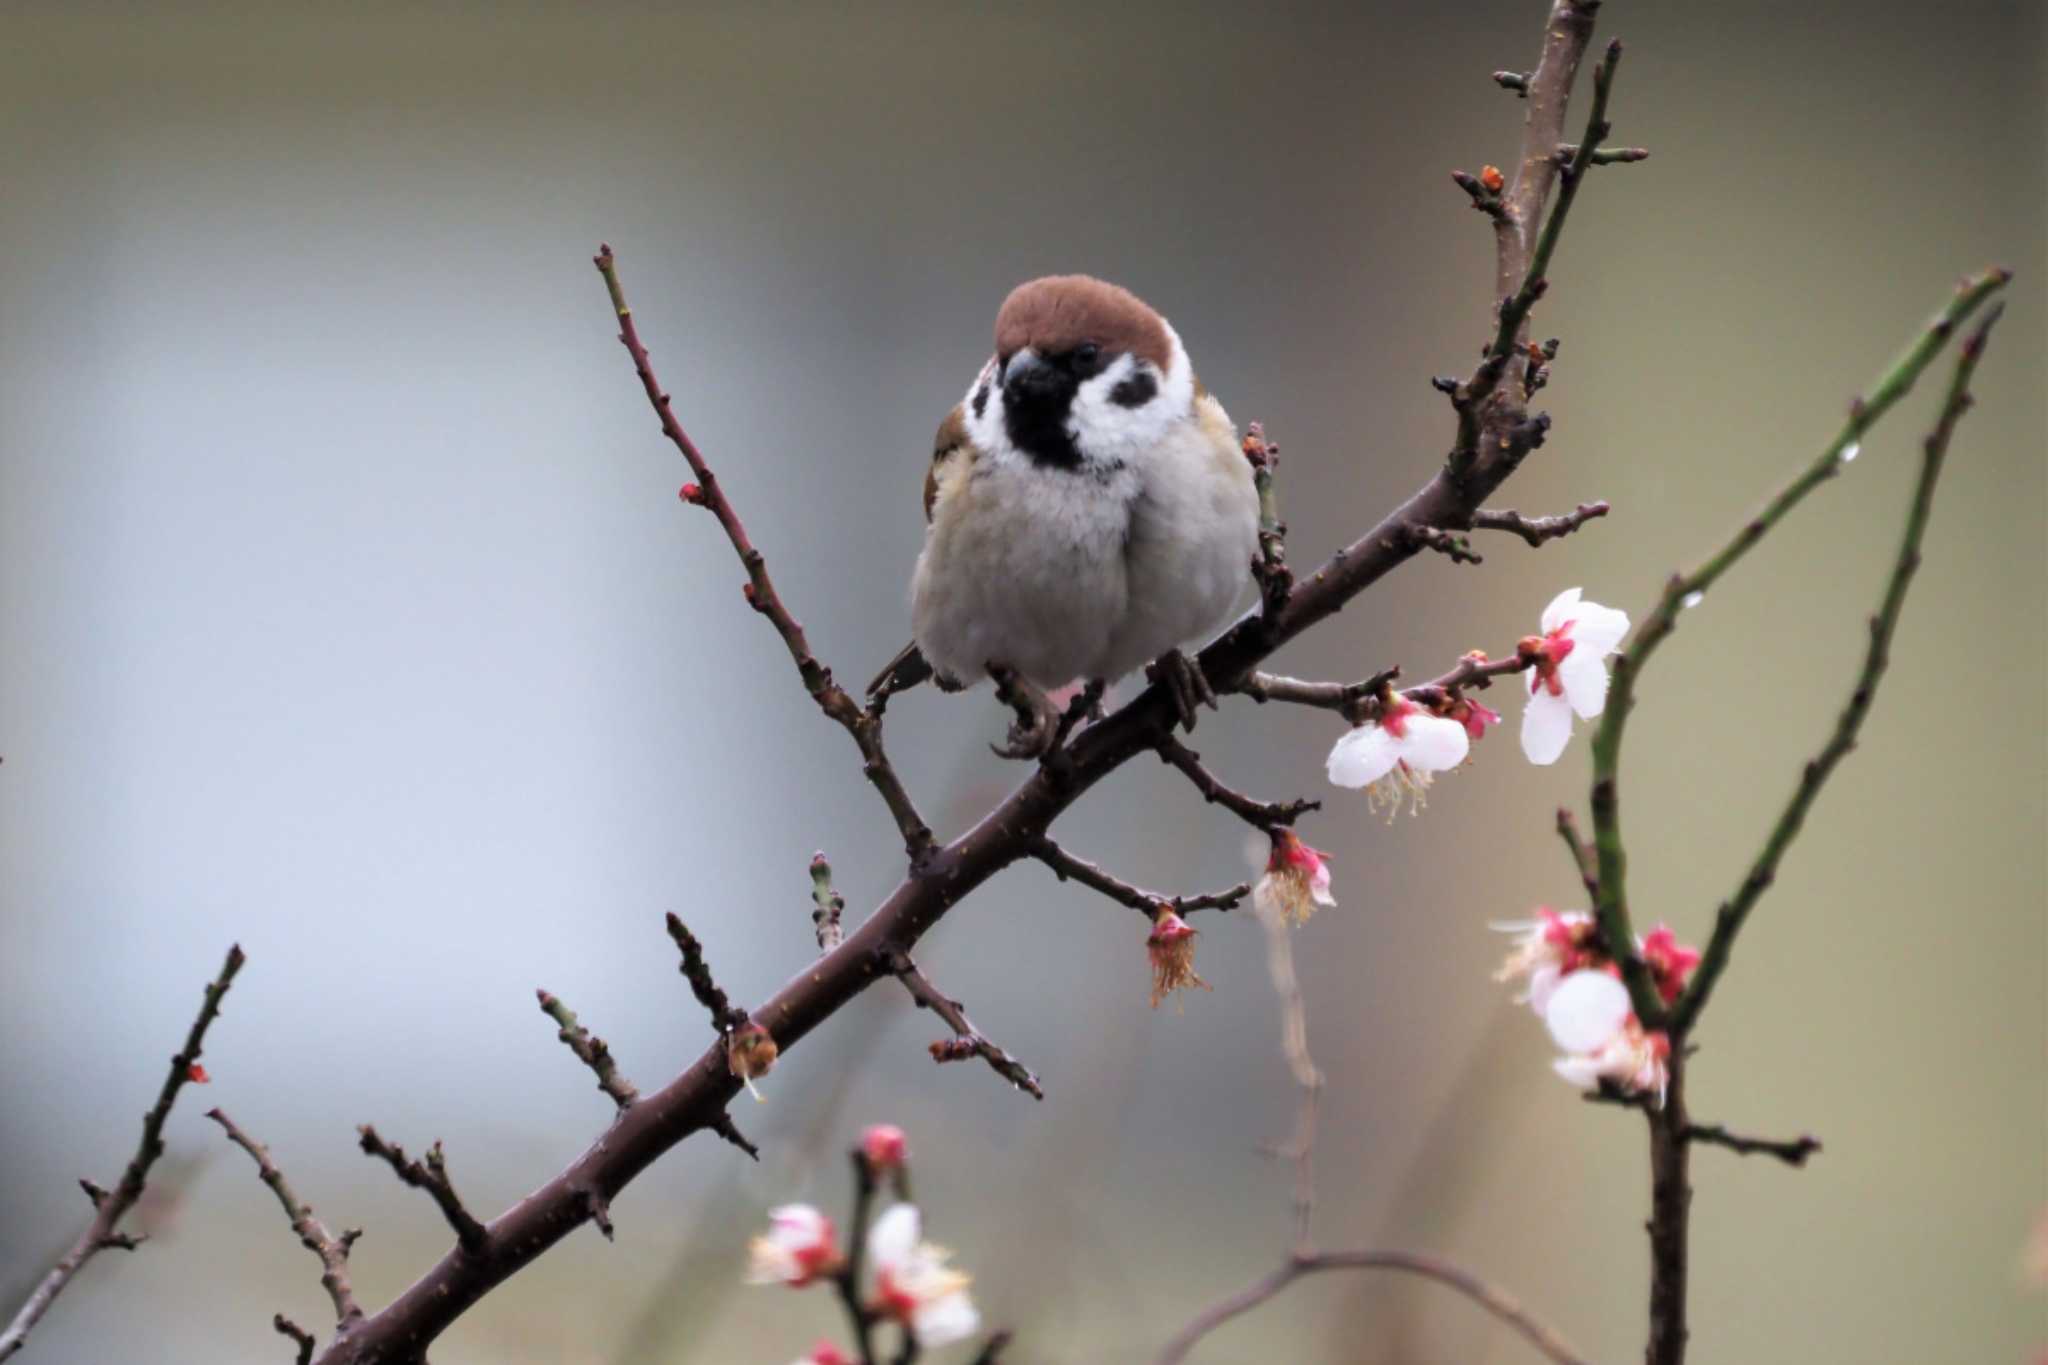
<point>1395,756</point>
<point>1568,672</point>
<point>913,1284</point>
<point>799,1247</point>
<point>1591,1022</point>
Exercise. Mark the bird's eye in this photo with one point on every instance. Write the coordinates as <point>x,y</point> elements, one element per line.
<point>1087,353</point>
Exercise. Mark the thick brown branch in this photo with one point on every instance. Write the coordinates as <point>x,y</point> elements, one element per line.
<point>725,1016</point>
<point>1067,867</point>
<point>967,1041</point>
<point>111,1206</point>
<point>590,1050</point>
<point>1265,815</point>
<point>1493,1300</point>
<point>430,1175</point>
<point>1536,530</point>
<point>865,726</point>
<point>313,1234</point>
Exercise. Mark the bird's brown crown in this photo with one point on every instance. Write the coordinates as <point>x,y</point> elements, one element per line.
<point>1055,314</point>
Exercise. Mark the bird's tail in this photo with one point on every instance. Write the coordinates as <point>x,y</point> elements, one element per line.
<point>900,674</point>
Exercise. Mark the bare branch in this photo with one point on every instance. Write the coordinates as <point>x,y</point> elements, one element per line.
<point>1536,530</point>
<point>1934,452</point>
<point>725,1016</point>
<point>111,1206</point>
<point>865,726</point>
<point>1452,546</point>
<point>431,1176</point>
<point>590,1050</point>
<point>1264,815</point>
<point>1583,860</point>
<point>967,1041</point>
<point>1604,156</point>
<point>286,1327</point>
<point>1067,867</point>
<point>313,1234</point>
<point>1495,1301</point>
<point>830,905</point>
<point>1793,1151</point>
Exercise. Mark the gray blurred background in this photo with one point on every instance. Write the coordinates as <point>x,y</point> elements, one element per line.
<point>347,610</point>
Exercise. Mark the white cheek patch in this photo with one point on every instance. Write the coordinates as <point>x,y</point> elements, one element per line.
<point>1107,430</point>
<point>983,408</point>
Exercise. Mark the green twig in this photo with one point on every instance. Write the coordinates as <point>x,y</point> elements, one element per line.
<point>1612,902</point>
<point>1728,922</point>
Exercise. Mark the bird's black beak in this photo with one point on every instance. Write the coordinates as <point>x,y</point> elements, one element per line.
<point>1027,378</point>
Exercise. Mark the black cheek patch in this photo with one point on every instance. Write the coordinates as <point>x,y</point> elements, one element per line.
<point>1136,391</point>
<point>980,401</point>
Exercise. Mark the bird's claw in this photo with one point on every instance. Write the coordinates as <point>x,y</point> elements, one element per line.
<point>1187,684</point>
<point>1037,730</point>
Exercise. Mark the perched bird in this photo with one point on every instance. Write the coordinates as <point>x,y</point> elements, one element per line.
<point>1089,510</point>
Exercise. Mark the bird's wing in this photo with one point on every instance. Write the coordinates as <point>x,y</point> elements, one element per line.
<point>952,458</point>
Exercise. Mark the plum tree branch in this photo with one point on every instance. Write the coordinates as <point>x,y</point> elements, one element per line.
<point>967,1040</point>
<point>111,1206</point>
<point>1735,911</point>
<point>313,1234</point>
<point>1067,867</point>
<point>940,876</point>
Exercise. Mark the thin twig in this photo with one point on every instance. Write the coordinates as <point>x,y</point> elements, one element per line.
<point>1495,1301</point>
<point>1690,588</point>
<point>1791,1151</point>
<point>1583,860</point>
<point>828,906</point>
<point>1067,867</point>
<point>725,1016</point>
<point>590,1050</point>
<point>865,726</point>
<point>848,1281</point>
<point>1452,546</point>
<point>111,1206</point>
<point>967,1041</point>
<point>431,1176</point>
<point>1265,815</point>
<point>1536,530</point>
<point>313,1234</point>
<point>1728,922</point>
<point>992,1350</point>
<point>306,1340</point>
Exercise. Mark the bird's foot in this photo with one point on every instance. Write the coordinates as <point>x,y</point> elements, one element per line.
<point>1036,731</point>
<point>1187,684</point>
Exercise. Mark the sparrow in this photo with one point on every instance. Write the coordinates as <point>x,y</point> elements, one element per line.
<point>1088,510</point>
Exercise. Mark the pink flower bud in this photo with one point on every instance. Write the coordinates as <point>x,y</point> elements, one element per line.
<point>884,1147</point>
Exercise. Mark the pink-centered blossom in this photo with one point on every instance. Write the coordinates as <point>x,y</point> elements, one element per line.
<point>914,1285</point>
<point>1395,757</point>
<point>799,1248</point>
<point>1569,671</point>
<point>1171,948</point>
<point>1296,880</point>
<point>1670,961</point>
<point>1591,1022</point>
<point>1546,950</point>
<point>825,1353</point>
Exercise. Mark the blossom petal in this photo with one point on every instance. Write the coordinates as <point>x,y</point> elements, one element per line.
<point>1435,743</point>
<point>945,1320</point>
<point>894,1236</point>
<point>1585,1011</point>
<point>1599,629</point>
<point>1562,608</point>
<point>1543,983</point>
<point>1584,675</point>
<point>1362,756</point>
<point>1546,728</point>
<point>1583,1072</point>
